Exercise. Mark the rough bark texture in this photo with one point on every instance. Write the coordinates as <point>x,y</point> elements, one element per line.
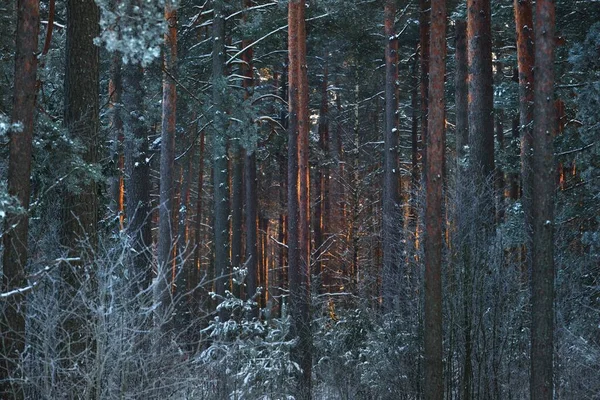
<point>162,287</point>
<point>298,210</point>
<point>12,319</point>
<point>137,174</point>
<point>525,63</point>
<point>481,122</point>
<point>219,144</point>
<point>433,213</point>
<point>391,172</point>
<point>544,186</point>
<point>81,116</point>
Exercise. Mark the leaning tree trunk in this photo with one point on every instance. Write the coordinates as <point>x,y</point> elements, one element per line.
<point>12,319</point>
<point>434,389</point>
<point>542,277</point>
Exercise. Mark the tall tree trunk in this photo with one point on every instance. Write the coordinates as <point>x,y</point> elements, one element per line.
<point>137,174</point>
<point>116,180</point>
<point>500,181</point>
<point>414,187</point>
<point>461,94</point>
<point>462,141</point>
<point>250,182</point>
<point>299,251</point>
<point>424,28</point>
<point>391,172</point>
<point>219,144</point>
<point>321,227</point>
<point>434,388</point>
<point>162,288</point>
<point>544,182</point>
<point>195,275</point>
<point>14,259</point>
<point>525,63</point>
<point>237,184</point>
<point>81,115</point>
<point>481,105</point>
<point>80,210</point>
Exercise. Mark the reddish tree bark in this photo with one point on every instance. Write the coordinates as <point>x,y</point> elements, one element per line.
<point>544,186</point>
<point>195,276</point>
<point>12,319</point>
<point>461,93</point>
<point>525,63</point>
<point>434,389</point>
<point>298,205</point>
<point>481,107</point>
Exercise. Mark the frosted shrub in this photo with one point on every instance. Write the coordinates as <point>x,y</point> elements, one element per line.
<point>248,358</point>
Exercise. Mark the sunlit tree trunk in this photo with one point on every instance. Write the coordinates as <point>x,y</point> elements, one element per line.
<point>433,213</point>
<point>15,234</point>
<point>195,275</point>
<point>298,207</point>
<point>544,186</point>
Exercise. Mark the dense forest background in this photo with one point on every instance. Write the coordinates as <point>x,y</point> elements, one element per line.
<point>214,199</point>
